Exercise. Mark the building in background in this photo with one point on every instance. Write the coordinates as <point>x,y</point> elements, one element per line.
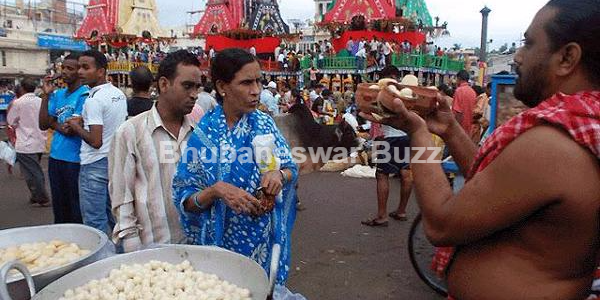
<point>33,35</point>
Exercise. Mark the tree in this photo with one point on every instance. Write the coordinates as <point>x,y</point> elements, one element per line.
<point>503,48</point>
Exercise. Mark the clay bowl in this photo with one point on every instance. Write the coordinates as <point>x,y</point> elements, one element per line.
<point>366,97</point>
<point>418,99</point>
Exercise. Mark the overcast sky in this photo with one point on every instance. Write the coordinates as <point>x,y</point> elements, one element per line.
<point>508,21</point>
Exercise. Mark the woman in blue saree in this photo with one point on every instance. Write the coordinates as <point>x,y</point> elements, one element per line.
<point>218,175</point>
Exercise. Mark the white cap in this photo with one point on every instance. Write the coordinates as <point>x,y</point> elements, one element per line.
<point>272,85</point>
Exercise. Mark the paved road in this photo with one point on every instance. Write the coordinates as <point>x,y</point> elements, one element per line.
<point>334,257</point>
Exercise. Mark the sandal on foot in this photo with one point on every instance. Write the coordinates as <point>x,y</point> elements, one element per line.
<point>375,223</point>
<point>398,217</point>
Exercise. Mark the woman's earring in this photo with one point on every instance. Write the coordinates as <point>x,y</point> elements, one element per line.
<point>224,94</point>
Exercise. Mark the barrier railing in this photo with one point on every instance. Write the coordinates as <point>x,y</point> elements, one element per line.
<point>443,63</point>
<point>126,67</point>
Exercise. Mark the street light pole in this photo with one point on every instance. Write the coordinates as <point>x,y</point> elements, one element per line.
<point>485,12</point>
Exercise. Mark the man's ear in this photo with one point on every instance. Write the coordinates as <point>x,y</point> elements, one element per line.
<point>570,59</point>
<point>163,83</point>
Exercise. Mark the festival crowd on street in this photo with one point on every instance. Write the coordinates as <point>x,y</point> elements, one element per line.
<point>166,161</point>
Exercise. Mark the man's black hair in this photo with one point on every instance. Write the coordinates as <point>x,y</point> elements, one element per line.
<point>478,90</point>
<point>72,56</point>
<point>168,66</point>
<point>390,71</point>
<point>28,84</point>
<point>99,58</point>
<point>463,75</point>
<point>446,89</point>
<point>141,79</point>
<point>578,21</point>
<point>208,87</point>
<point>227,63</point>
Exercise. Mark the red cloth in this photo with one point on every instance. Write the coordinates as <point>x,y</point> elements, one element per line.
<point>464,102</point>
<point>579,115</point>
<point>415,38</point>
<point>101,16</point>
<point>217,16</point>
<point>262,45</point>
<point>344,11</point>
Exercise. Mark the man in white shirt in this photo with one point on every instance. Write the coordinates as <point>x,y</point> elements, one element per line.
<point>144,157</point>
<point>387,52</point>
<point>374,44</point>
<point>361,57</point>
<point>267,98</point>
<point>103,112</point>
<point>281,60</point>
<point>316,93</point>
<point>277,51</point>
<point>205,99</point>
<point>350,46</point>
<point>31,141</point>
<point>211,52</point>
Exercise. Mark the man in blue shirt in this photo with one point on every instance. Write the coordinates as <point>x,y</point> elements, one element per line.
<point>63,165</point>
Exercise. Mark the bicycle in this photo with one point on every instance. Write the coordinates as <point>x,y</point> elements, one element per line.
<point>421,251</point>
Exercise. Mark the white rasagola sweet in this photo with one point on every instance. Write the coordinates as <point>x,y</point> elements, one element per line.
<point>44,255</point>
<point>158,280</point>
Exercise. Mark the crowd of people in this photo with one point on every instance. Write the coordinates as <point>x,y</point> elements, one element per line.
<point>138,170</point>
<point>108,167</point>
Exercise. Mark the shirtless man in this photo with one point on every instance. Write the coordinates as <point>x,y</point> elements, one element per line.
<point>526,225</point>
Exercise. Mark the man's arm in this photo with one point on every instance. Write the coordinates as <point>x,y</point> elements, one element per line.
<point>121,187</point>
<point>13,115</point>
<point>46,121</point>
<point>92,137</point>
<point>96,123</point>
<point>508,191</point>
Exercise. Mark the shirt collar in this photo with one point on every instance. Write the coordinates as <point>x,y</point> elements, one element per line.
<point>155,121</point>
<point>99,87</point>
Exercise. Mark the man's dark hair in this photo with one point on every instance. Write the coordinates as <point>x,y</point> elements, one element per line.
<point>168,66</point>
<point>227,63</point>
<point>577,21</point>
<point>390,71</point>
<point>208,87</point>
<point>28,84</point>
<point>446,89</point>
<point>141,79</point>
<point>72,56</point>
<point>478,90</point>
<point>463,75</point>
<point>99,58</point>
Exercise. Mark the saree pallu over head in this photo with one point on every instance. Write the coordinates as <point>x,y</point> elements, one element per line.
<point>217,153</point>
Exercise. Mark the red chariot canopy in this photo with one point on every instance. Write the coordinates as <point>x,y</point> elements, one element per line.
<point>345,10</point>
<point>217,18</point>
<point>262,45</point>
<point>102,17</point>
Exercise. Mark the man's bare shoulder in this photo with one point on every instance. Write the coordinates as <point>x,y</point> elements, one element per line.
<point>556,159</point>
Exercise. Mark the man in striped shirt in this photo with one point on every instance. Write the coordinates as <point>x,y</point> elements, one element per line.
<point>144,156</point>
